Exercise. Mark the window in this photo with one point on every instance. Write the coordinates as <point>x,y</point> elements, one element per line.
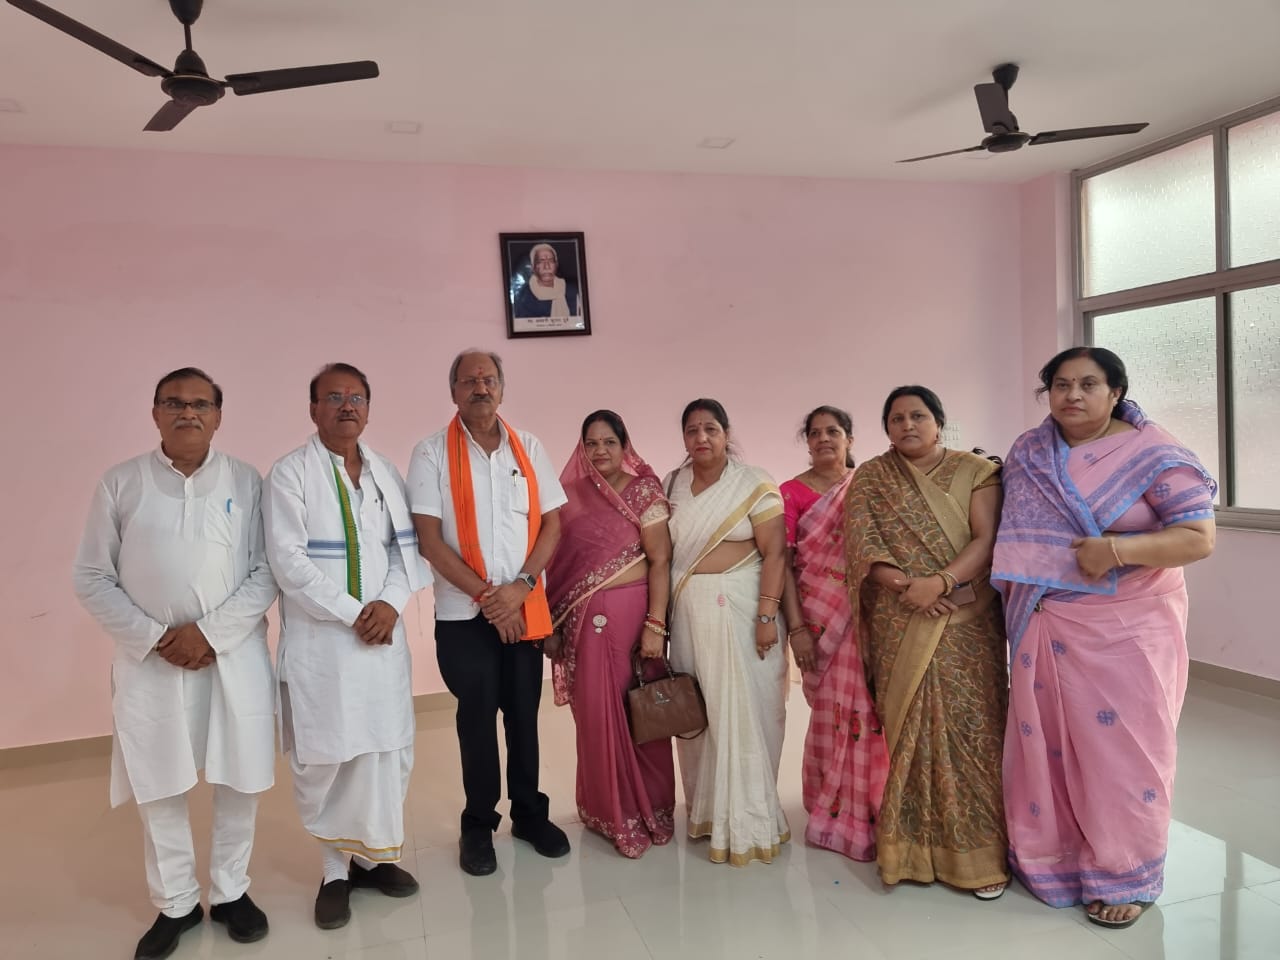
<point>1178,271</point>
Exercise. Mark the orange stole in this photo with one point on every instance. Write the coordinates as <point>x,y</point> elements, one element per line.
<point>537,613</point>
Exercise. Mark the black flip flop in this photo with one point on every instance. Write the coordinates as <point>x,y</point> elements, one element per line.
<point>1120,924</point>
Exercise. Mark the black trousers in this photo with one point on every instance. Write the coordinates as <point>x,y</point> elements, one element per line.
<point>487,675</point>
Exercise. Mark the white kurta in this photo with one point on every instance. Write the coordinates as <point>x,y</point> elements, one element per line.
<point>161,549</point>
<point>345,698</point>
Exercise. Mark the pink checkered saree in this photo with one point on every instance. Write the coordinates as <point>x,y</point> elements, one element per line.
<point>845,759</point>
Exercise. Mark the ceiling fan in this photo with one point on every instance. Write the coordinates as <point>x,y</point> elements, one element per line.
<point>188,84</point>
<point>1002,125</point>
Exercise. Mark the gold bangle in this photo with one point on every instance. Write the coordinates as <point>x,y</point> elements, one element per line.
<point>795,630</point>
<point>1115,552</point>
<point>949,582</point>
<point>774,599</point>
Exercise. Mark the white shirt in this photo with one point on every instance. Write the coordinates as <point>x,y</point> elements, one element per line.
<point>161,549</point>
<point>502,506</point>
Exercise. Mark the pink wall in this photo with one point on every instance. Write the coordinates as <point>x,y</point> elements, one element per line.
<point>772,295</point>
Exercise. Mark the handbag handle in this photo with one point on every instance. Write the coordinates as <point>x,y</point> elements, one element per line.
<point>637,666</point>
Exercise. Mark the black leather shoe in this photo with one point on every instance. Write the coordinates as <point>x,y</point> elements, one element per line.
<point>245,922</point>
<point>333,905</point>
<point>548,839</point>
<point>475,853</point>
<point>386,878</point>
<point>162,939</point>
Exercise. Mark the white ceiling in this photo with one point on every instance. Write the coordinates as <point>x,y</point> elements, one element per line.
<point>818,88</point>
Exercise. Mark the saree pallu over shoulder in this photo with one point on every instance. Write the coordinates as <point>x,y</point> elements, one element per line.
<point>599,541</point>
<point>939,684</point>
<point>701,523</point>
<point>1046,508</point>
<point>899,516</point>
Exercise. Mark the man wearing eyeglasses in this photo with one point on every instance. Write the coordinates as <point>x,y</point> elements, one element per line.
<point>343,550</point>
<point>486,505</point>
<point>172,565</point>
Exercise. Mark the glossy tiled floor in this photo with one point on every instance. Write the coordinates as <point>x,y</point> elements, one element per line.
<point>73,887</point>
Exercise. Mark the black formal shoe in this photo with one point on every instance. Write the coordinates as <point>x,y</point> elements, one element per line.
<point>475,853</point>
<point>548,839</point>
<point>162,939</point>
<point>386,878</point>
<point>333,904</point>
<point>245,922</point>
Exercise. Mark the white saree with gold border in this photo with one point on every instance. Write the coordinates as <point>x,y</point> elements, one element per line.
<point>730,772</point>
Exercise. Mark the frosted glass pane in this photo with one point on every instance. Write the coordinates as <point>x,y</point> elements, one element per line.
<point>1253,178</point>
<point>1171,355</point>
<point>1149,221</point>
<point>1255,382</point>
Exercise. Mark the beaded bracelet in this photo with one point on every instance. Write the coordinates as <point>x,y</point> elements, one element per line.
<point>657,626</point>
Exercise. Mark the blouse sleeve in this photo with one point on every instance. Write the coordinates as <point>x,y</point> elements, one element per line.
<point>1180,495</point>
<point>650,504</point>
<point>790,511</point>
<point>766,508</point>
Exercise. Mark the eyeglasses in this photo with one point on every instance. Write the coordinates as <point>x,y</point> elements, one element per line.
<point>174,405</point>
<point>340,399</point>
<point>490,383</point>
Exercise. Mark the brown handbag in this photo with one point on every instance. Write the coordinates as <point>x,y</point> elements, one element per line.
<point>671,706</point>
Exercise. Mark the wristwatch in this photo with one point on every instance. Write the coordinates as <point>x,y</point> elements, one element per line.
<point>528,580</point>
<point>765,618</point>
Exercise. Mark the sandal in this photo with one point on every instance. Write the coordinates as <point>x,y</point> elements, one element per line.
<point>1119,924</point>
<point>993,892</point>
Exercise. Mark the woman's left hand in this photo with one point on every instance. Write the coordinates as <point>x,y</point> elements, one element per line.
<point>650,644</point>
<point>923,594</point>
<point>766,638</point>
<point>802,648</point>
<point>1093,556</point>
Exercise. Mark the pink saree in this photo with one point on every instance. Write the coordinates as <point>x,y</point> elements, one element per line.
<point>1099,668</point>
<point>625,792</point>
<point>845,760</point>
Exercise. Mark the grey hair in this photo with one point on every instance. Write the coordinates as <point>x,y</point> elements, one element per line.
<point>470,351</point>
<point>533,252</point>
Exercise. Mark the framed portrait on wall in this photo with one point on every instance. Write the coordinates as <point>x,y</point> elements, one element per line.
<point>544,276</point>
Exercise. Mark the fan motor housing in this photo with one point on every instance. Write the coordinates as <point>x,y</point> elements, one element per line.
<point>193,89</point>
<point>1005,142</point>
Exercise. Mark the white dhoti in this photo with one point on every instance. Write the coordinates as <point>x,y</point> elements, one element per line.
<point>355,806</point>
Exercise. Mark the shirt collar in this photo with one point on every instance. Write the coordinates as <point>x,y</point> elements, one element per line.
<point>168,464</point>
<point>502,435</point>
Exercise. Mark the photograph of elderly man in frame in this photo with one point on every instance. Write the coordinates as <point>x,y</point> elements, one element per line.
<point>545,275</point>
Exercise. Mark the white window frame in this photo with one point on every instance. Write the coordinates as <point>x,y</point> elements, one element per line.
<point>1219,284</point>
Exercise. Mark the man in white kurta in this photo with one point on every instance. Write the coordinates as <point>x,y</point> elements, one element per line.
<point>172,566</point>
<point>343,550</point>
